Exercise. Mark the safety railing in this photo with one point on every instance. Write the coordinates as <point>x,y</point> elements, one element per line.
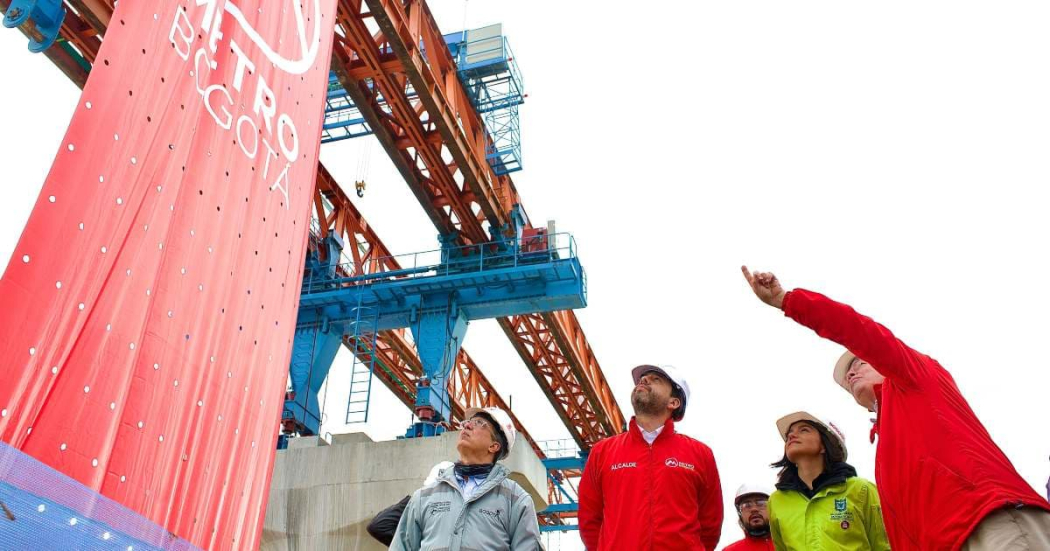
<point>555,449</point>
<point>467,259</point>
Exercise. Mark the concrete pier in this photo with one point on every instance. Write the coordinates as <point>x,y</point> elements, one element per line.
<point>324,495</point>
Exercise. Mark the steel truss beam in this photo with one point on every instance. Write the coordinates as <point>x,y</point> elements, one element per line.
<point>417,133</point>
<point>400,365</point>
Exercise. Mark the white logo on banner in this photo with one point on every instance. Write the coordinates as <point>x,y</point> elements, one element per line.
<point>307,47</point>
<point>247,124</point>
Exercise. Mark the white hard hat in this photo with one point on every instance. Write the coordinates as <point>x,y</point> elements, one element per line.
<point>503,424</point>
<point>834,434</point>
<point>841,367</point>
<point>672,374</point>
<point>751,489</point>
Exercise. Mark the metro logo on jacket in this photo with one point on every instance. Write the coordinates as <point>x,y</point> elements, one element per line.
<point>640,497</point>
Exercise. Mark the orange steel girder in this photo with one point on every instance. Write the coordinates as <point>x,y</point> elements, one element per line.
<point>406,132</point>
<point>552,345</point>
<point>559,376</point>
<point>467,386</point>
<point>95,13</point>
<point>429,66</point>
<point>433,154</point>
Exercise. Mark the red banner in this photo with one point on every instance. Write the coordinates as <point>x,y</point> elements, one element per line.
<point>147,314</point>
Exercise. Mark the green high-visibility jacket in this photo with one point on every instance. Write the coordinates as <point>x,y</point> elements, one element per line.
<point>840,517</point>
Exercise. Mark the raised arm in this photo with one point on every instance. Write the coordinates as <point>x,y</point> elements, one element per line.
<point>838,322</point>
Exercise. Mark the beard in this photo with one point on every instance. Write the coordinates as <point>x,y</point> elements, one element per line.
<point>648,403</point>
<point>760,531</point>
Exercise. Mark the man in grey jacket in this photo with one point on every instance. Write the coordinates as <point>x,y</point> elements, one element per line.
<point>473,506</point>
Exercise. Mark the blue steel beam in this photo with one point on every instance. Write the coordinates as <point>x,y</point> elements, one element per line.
<point>313,347</point>
<point>560,508</point>
<point>435,301</point>
<point>560,493</point>
<point>485,286</point>
<point>342,119</point>
<point>558,527</point>
<point>564,463</point>
<point>491,79</point>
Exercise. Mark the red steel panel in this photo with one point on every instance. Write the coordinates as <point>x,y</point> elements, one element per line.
<point>146,316</point>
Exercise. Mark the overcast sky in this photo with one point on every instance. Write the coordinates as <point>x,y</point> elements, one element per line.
<point>892,155</point>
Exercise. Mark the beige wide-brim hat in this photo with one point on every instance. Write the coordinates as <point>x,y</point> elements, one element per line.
<point>834,434</point>
<point>841,367</point>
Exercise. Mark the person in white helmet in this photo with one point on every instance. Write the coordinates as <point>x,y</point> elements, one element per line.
<point>473,505</point>
<point>752,508</point>
<point>651,487</point>
<point>971,498</point>
<point>820,503</point>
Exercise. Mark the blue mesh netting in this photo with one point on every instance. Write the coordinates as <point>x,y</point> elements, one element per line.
<point>41,508</point>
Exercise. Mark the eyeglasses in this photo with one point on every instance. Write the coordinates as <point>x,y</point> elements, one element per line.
<point>751,504</point>
<point>476,422</point>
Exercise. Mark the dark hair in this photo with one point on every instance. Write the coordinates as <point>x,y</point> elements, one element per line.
<point>787,467</point>
<point>676,392</point>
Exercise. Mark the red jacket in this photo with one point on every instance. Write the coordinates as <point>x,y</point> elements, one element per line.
<point>662,497</point>
<point>938,471</point>
<point>751,544</point>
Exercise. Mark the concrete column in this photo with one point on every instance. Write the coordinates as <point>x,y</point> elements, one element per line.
<point>323,496</point>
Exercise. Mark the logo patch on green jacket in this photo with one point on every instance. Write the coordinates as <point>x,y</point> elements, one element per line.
<point>842,515</point>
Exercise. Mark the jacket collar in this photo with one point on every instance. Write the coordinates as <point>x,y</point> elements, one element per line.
<point>498,474</point>
<point>838,473</point>
<point>636,431</point>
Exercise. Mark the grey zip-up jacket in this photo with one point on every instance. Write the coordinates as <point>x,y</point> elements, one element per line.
<point>498,517</point>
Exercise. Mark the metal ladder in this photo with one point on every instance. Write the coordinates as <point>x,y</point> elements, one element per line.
<point>363,343</point>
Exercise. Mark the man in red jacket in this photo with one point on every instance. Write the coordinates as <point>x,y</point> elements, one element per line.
<point>651,488</point>
<point>943,482</point>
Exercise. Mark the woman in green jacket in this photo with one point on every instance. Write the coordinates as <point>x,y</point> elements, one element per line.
<point>820,503</point>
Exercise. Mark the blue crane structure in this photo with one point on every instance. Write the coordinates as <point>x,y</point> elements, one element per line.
<point>435,295</point>
<point>521,270</point>
<point>41,20</point>
<point>489,73</point>
<point>443,289</point>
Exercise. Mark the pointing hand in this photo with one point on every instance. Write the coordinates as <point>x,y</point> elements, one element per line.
<point>765,286</point>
